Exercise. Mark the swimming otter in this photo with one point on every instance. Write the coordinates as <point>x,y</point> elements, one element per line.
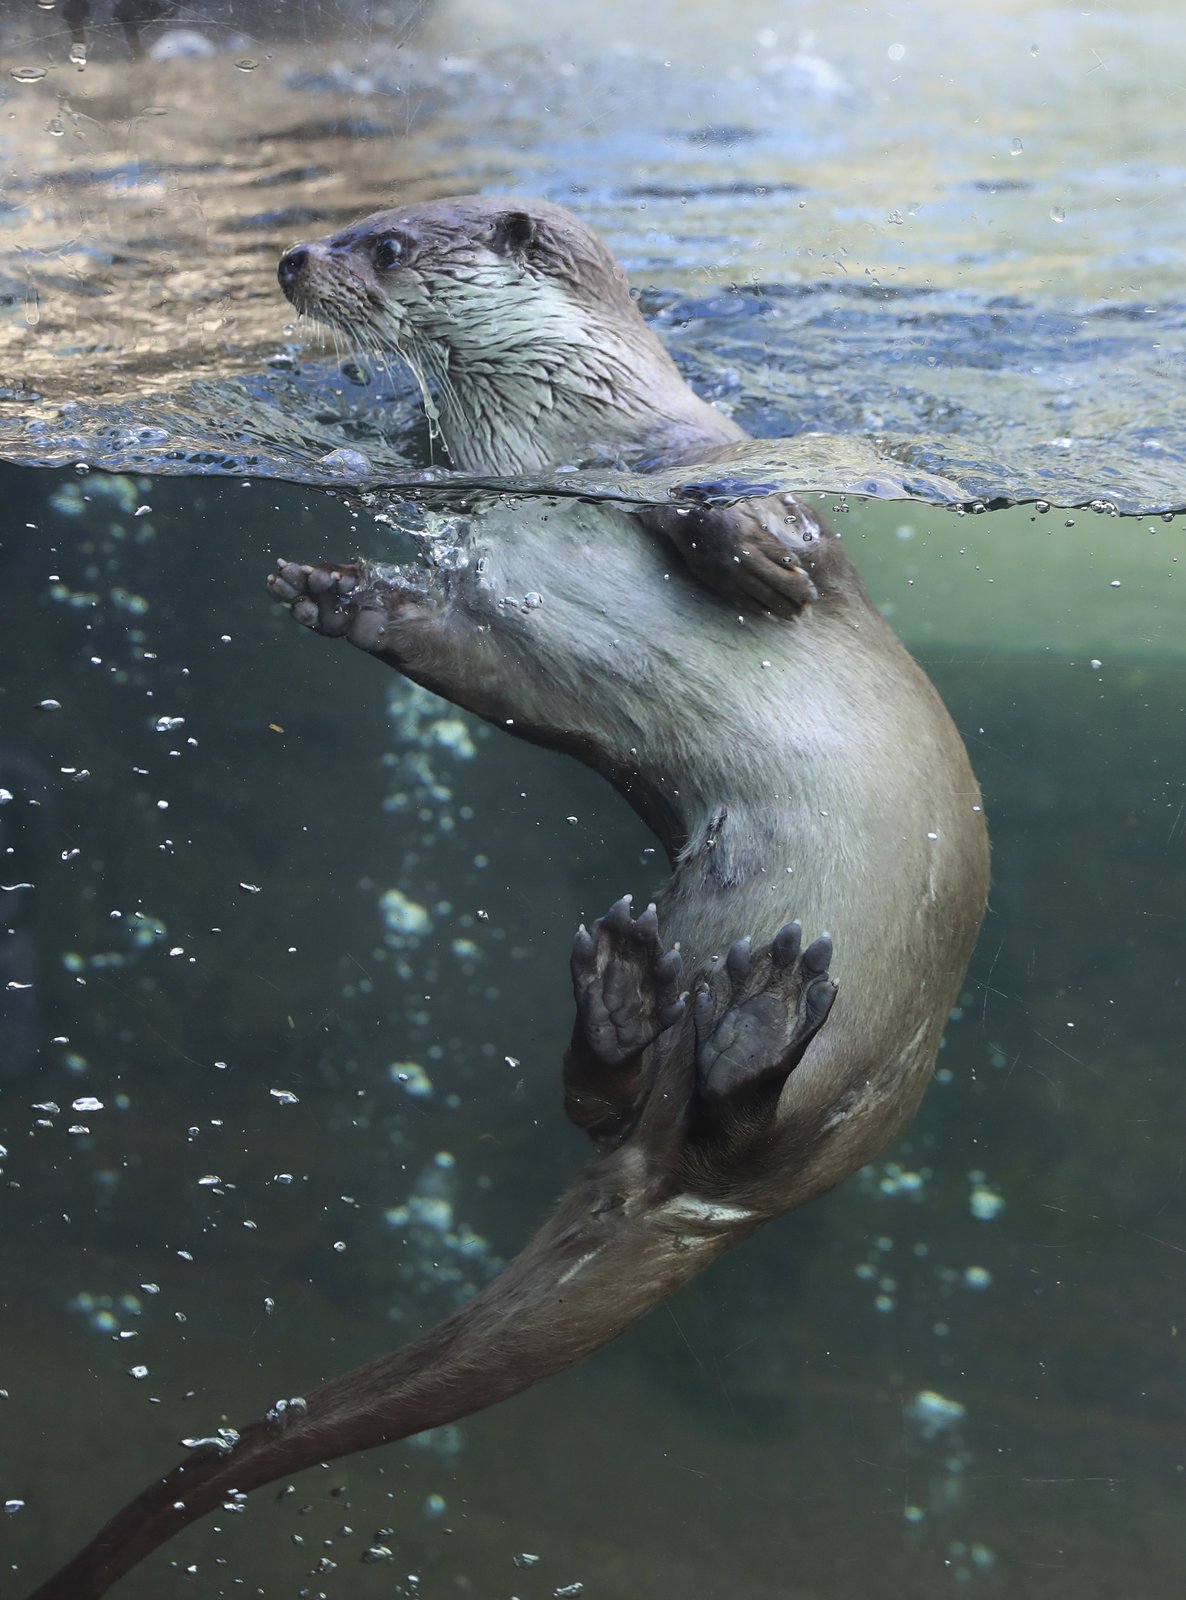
<point>755,709</point>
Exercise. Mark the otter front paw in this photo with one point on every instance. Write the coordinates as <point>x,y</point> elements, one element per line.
<point>340,601</point>
<point>627,990</point>
<point>758,1012</point>
<point>757,555</point>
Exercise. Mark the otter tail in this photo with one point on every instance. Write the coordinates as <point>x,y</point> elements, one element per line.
<point>596,1267</point>
<point>683,1100</point>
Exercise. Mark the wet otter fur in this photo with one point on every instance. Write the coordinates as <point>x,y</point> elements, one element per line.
<point>749,702</point>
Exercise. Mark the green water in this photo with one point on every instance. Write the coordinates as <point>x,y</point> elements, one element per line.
<point>1017,1256</point>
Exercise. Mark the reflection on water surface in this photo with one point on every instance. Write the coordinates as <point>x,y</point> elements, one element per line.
<point>952,249</point>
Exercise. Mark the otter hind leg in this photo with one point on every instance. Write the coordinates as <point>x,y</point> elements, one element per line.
<point>757,1013</point>
<point>627,990</point>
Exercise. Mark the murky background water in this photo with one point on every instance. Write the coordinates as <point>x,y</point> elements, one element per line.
<point>300,931</point>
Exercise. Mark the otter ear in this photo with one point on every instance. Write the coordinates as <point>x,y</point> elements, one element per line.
<point>513,233</point>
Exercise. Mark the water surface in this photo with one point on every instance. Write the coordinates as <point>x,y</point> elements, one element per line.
<point>938,253</point>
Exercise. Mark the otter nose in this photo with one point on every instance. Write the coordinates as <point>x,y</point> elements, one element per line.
<point>292,264</point>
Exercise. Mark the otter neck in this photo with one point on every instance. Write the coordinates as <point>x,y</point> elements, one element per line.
<point>544,405</point>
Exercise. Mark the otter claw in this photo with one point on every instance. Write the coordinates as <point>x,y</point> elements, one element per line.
<point>617,918</point>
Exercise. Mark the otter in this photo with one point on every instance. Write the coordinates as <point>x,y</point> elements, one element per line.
<point>748,701</point>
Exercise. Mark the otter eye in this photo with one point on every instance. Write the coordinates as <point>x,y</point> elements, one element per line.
<point>388,252</point>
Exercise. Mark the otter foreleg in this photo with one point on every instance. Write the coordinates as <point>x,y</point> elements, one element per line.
<point>627,989</point>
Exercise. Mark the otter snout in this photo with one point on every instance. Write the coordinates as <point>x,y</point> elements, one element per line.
<point>292,266</point>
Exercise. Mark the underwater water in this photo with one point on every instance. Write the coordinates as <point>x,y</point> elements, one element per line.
<point>280,1076</point>
<point>301,943</point>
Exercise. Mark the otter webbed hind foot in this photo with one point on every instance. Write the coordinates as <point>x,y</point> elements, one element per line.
<point>758,1011</point>
<point>627,990</point>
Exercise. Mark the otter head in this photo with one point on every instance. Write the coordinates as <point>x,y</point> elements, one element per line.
<point>516,320</point>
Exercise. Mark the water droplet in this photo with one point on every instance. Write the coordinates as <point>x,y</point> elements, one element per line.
<point>1058,213</point>
<point>137,1372</point>
<point>12,1506</point>
<point>284,1097</point>
<point>86,1102</point>
<point>27,74</point>
<point>1015,147</point>
<point>224,1442</point>
<point>246,64</point>
<point>78,54</point>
